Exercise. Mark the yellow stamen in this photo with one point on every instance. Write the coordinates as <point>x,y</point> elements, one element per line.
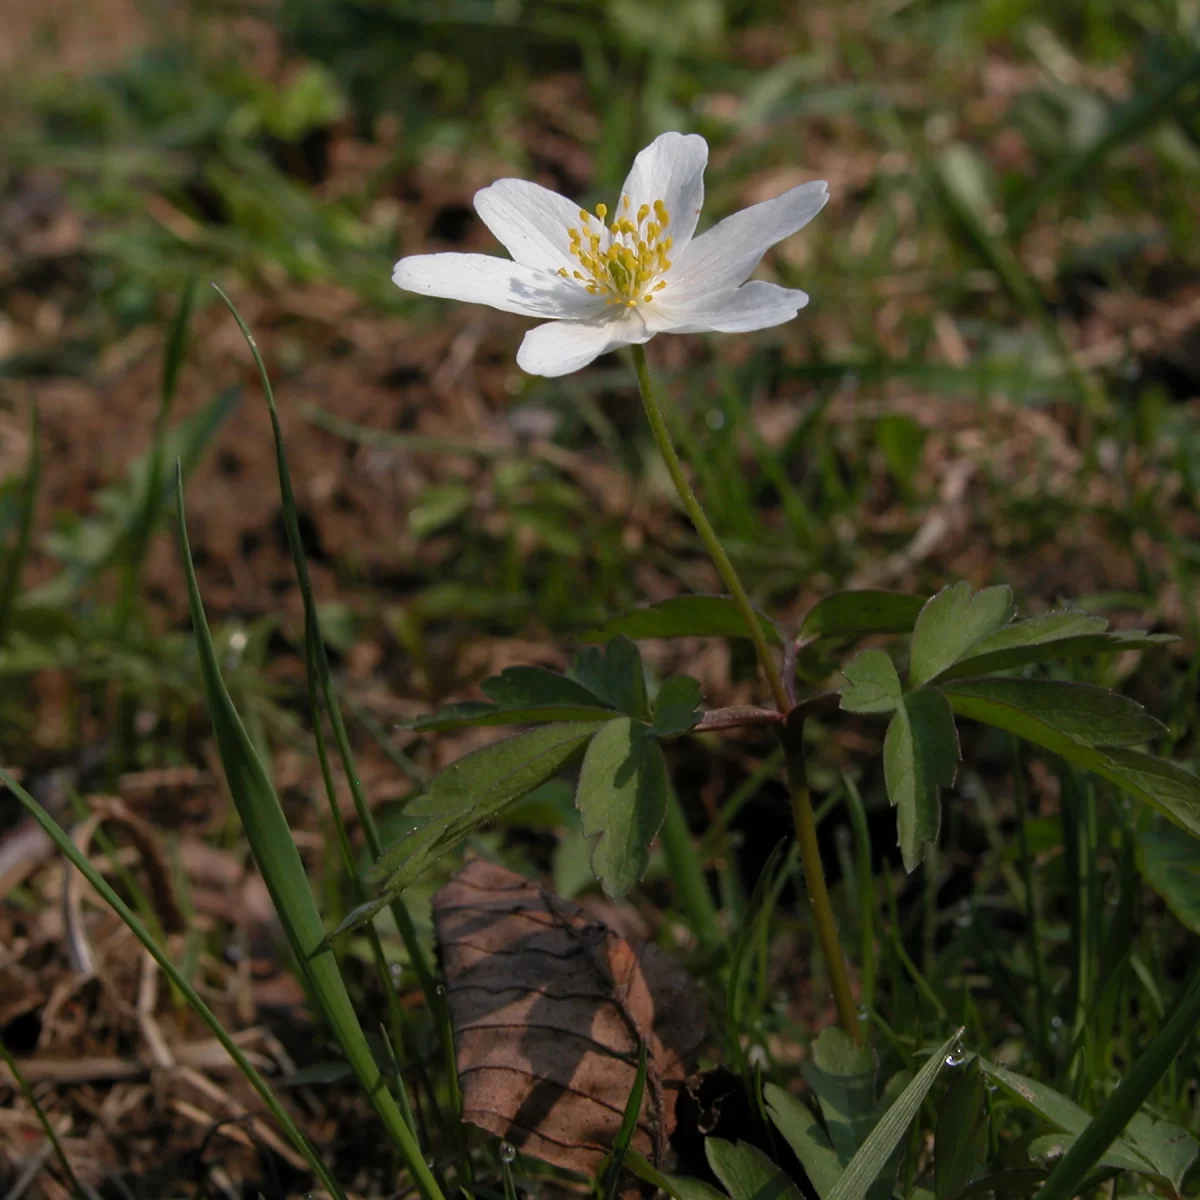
<point>622,261</point>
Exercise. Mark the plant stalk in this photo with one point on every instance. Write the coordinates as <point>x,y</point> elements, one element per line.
<point>790,736</point>
<point>788,733</point>
<point>708,535</point>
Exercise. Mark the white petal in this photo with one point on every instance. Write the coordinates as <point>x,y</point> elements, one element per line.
<point>670,169</point>
<point>723,256</point>
<point>530,221</point>
<point>565,346</point>
<point>508,286</point>
<point>754,305</point>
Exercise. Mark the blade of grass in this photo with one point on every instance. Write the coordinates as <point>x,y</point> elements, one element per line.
<point>279,862</point>
<point>320,662</point>
<point>624,1138</point>
<point>1135,1089</point>
<point>870,1158</point>
<point>382,969</point>
<point>44,1121</point>
<point>10,576</point>
<point>321,687</point>
<point>71,852</point>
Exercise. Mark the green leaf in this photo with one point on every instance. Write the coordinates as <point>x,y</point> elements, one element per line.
<point>1168,787</point>
<point>476,713</point>
<point>1163,785</point>
<point>747,1173</point>
<point>951,623</point>
<point>614,673</point>
<point>685,616</point>
<point>1053,635</point>
<point>961,1141</point>
<point>1170,1149</point>
<point>864,1168</point>
<point>802,1131</point>
<point>471,791</point>
<point>920,755</point>
<point>1049,627</point>
<point>622,795</point>
<point>675,706</point>
<point>856,614</point>
<point>1169,860</point>
<point>874,686</point>
<point>536,687</point>
<point>842,1074</point>
<point>1089,716</point>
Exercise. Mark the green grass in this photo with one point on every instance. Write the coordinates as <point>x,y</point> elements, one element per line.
<point>1013,207</point>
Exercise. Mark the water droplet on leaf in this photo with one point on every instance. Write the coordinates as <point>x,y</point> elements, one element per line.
<point>508,1152</point>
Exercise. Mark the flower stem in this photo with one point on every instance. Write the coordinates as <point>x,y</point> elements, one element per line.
<point>708,535</point>
<point>788,733</point>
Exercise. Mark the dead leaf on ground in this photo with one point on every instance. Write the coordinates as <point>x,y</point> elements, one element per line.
<point>549,1008</point>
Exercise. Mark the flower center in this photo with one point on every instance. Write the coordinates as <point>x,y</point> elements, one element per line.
<point>621,261</point>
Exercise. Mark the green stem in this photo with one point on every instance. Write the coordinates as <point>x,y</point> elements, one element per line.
<point>708,535</point>
<point>789,734</point>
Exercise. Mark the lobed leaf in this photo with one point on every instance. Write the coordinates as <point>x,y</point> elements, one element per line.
<point>747,1173</point>
<point>471,791</point>
<point>873,684</point>
<point>1161,784</point>
<point>622,796</point>
<point>1090,716</point>
<point>920,756</point>
<point>1051,650</point>
<point>951,623</point>
<point>614,674</point>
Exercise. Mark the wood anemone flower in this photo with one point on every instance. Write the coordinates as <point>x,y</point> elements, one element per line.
<point>616,278</point>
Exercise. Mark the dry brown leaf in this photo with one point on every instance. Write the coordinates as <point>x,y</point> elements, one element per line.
<point>549,1008</point>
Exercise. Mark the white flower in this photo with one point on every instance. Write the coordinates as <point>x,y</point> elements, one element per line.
<point>609,279</point>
